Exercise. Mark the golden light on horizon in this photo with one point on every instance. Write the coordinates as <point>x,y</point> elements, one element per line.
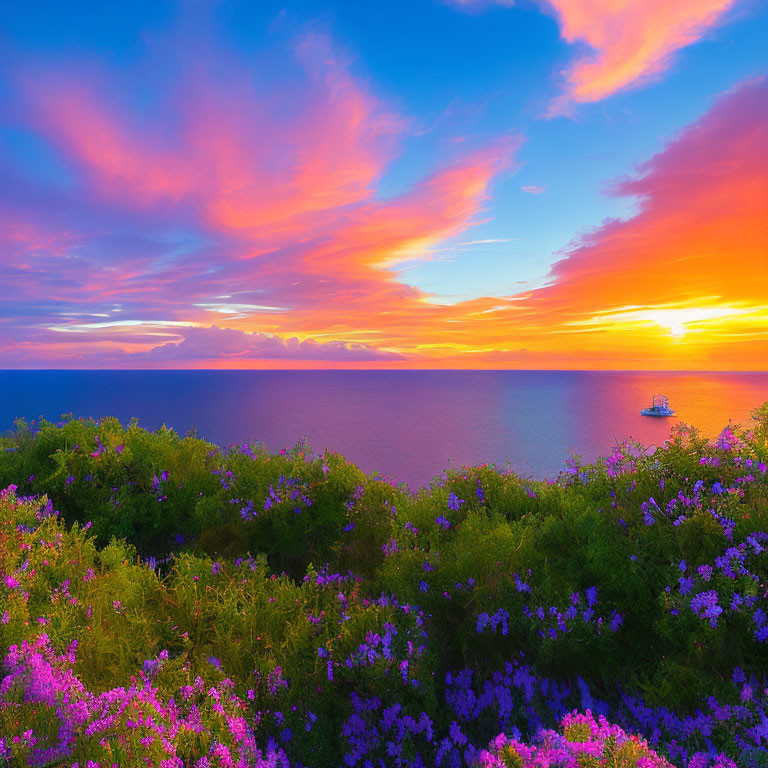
<point>677,321</point>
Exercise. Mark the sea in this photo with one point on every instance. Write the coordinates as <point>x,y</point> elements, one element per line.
<point>409,426</point>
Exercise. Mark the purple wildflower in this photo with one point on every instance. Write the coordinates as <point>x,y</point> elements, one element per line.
<point>705,605</point>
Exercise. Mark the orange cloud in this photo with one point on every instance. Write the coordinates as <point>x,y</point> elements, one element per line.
<point>684,282</point>
<point>702,232</point>
<point>681,284</point>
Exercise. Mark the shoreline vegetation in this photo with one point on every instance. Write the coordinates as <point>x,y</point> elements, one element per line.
<point>167,603</point>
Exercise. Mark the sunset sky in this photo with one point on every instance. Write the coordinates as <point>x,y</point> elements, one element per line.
<point>419,184</point>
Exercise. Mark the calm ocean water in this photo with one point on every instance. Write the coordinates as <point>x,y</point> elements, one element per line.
<point>410,425</point>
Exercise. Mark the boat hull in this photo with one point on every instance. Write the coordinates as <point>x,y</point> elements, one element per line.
<point>651,412</point>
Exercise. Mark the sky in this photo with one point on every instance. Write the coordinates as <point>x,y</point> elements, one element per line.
<point>544,184</point>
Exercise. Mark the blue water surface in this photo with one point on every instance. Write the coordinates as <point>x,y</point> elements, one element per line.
<point>408,425</point>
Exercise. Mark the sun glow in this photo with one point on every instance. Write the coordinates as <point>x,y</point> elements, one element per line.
<point>678,322</point>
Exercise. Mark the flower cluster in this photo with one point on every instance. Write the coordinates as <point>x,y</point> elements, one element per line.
<point>136,722</point>
<point>582,740</point>
<point>553,621</point>
<point>291,491</point>
<point>733,585</point>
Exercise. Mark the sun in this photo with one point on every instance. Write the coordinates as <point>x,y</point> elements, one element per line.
<point>677,321</point>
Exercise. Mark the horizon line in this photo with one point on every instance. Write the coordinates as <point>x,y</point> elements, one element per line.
<point>384,370</point>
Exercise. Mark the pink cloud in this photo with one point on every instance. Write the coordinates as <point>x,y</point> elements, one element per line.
<point>631,42</point>
<point>255,209</point>
<point>241,157</point>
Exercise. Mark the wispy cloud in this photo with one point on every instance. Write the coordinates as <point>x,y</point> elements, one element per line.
<point>631,42</point>
<point>491,241</point>
<point>134,324</point>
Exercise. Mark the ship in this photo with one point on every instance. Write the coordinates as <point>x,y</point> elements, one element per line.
<point>659,407</point>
